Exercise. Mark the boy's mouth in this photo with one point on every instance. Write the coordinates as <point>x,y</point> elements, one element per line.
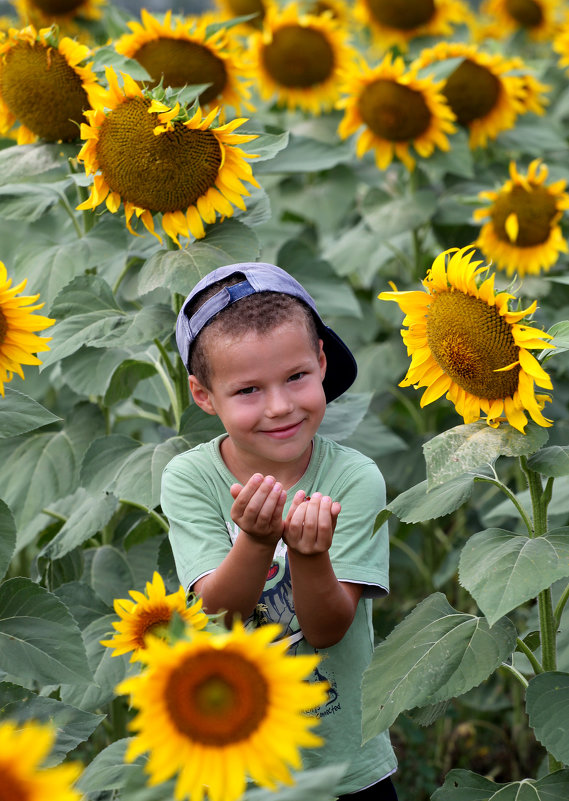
<point>282,432</point>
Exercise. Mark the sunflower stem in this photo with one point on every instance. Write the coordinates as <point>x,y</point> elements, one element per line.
<point>150,512</point>
<point>515,672</point>
<point>167,361</point>
<point>172,392</point>
<point>66,205</point>
<point>525,649</point>
<point>561,606</point>
<point>539,500</point>
<point>507,491</point>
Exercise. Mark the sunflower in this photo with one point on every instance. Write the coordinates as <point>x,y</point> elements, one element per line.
<point>485,97</point>
<point>154,160</point>
<point>42,86</point>
<point>464,341</point>
<point>394,23</point>
<point>216,709</point>
<point>298,58</point>
<point>186,53</point>
<point>339,10</point>
<point>23,749</point>
<point>18,343</point>
<point>523,234</point>
<point>536,17</point>
<point>47,12</point>
<point>561,45</point>
<point>150,614</point>
<point>398,110</point>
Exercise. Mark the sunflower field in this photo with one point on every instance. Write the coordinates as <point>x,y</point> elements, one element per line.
<point>408,162</point>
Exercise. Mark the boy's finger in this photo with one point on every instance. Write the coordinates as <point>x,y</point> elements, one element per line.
<point>299,498</point>
<point>235,489</point>
<point>248,491</point>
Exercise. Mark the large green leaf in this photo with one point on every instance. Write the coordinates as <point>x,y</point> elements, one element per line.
<point>86,604</point>
<point>466,448</point>
<point>48,463</point>
<point>111,574</point>
<point>133,472</point>
<point>534,139</point>
<point>20,162</point>
<point>7,538</point>
<point>502,570</point>
<point>180,270</point>
<point>90,515</point>
<point>108,770</point>
<point>435,653</point>
<point>418,503</point>
<point>73,726</point>
<point>30,201</point>
<point>39,639</point>
<point>547,705</point>
<point>20,414</point>
<point>463,785</point>
<point>303,155</point>
<point>343,415</point>
<point>552,461</point>
<point>391,216</point>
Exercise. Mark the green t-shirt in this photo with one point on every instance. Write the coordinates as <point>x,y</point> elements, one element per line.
<point>197,502</point>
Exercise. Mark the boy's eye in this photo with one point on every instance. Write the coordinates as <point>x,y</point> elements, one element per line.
<point>295,376</point>
<point>246,390</point>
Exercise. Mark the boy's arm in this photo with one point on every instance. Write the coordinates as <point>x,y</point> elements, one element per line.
<point>235,586</point>
<point>324,606</point>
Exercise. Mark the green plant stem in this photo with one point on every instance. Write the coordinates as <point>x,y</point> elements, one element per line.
<point>151,512</point>
<point>506,490</point>
<point>55,515</point>
<point>515,672</point>
<point>88,215</point>
<point>548,630</point>
<point>561,606</point>
<point>66,205</point>
<point>530,655</point>
<point>538,498</point>
<point>172,393</point>
<point>166,358</point>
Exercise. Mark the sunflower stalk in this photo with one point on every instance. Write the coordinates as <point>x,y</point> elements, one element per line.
<point>526,650</point>
<point>561,606</point>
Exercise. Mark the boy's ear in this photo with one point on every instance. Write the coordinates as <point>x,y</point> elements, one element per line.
<point>322,360</point>
<point>201,395</point>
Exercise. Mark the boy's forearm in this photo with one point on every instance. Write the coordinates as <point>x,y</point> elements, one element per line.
<point>324,606</point>
<point>236,585</point>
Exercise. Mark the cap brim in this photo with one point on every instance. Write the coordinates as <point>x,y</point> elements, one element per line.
<point>341,368</point>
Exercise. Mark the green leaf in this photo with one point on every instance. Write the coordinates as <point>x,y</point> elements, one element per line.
<point>552,461</point>
<point>7,538</point>
<point>343,415</point>
<point>466,448</point>
<point>391,216</point>
<point>39,639</point>
<point>502,570</point>
<point>108,769</point>
<point>560,333</point>
<point>90,515</point>
<point>418,504</point>
<point>86,604</point>
<point>126,378</point>
<point>20,413</point>
<point>29,202</point>
<point>21,162</point>
<point>111,574</point>
<point>318,784</point>
<point>104,459</point>
<point>547,705</point>
<point>73,726</point>
<point>305,155</point>
<point>463,785</point>
<point>180,270</point>
<point>265,146</point>
<point>434,654</point>
<point>534,139</point>
<point>196,426</point>
<point>106,56</point>
<point>48,464</point>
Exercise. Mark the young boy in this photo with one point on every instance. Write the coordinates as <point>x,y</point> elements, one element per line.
<point>271,522</point>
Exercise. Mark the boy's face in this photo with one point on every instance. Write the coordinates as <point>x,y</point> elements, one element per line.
<point>267,391</point>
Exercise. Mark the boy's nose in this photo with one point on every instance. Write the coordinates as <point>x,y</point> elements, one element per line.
<point>279,403</point>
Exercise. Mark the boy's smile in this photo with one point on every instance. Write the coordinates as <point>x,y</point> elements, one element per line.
<point>267,390</point>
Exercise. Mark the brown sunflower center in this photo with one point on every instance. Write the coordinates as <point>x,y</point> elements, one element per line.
<point>182,63</point>
<point>299,57</point>
<point>536,211</point>
<point>57,6</point>
<point>393,111</point>
<point>527,13</point>
<point>11,788</point>
<point>401,14</point>
<point>217,698</point>
<point>162,173</point>
<point>3,326</point>
<point>471,91</point>
<point>42,91</point>
<point>469,340</point>
<point>153,621</point>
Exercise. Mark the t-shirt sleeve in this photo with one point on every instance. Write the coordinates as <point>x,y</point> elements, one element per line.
<point>198,532</point>
<point>357,554</point>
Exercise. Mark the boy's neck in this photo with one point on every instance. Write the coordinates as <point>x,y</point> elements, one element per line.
<point>242,467</point>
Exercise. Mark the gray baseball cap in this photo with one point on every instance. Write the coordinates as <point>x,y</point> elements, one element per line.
<point>341,367</point>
